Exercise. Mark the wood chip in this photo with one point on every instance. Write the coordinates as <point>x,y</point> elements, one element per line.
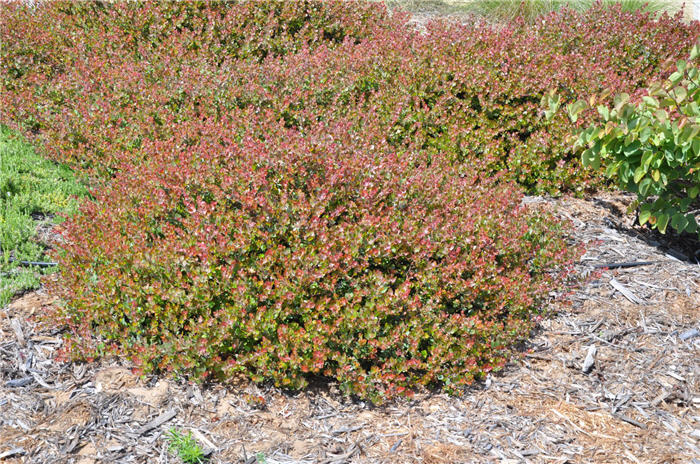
<point>625,292</point>
<point>21,382</point>
<point>688,334</point>
<point>13,452</point>
<point>200,436</point>
<point>590,359</point>
<point>629,420</point>
<point>157,422</point>
<point>17,327</point>
<point>660,398</point>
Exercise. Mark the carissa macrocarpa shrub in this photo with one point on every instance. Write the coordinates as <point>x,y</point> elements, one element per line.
<point>289,189</point>
<point>305,256</point>
<point>92,81</point>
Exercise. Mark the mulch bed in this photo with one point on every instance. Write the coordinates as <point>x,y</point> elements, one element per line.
<point>612,376</point>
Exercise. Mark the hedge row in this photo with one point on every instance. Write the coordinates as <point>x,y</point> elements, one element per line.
<point>290,189</point>
<point>97,79</point>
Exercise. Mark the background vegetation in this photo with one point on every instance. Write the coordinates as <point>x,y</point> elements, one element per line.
<point>529,10</point>
<point>34,194</point>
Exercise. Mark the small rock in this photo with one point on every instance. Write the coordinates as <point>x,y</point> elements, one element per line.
<point>688,334</point>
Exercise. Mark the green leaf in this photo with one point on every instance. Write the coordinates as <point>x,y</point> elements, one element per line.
<point>647,158</point>
<point>695,51</point>
<point>632,148</point>
<point>553,101</point>
<point>612,168</point>
<point>644,186</point>
<point>575,109</point>
<point>679,93</point>
<point>679,222</point>
<point>644,135</point>
<point>662,222</point>
<point>625,173</point>
<point>661,115</point>
<point>644,214</point>
<point>690,133</point>
<point>621,100</point>
<point>651,101</point>
<point>590,159</point>
<point>668,102</point>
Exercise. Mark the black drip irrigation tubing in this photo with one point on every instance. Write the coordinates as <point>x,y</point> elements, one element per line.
<point>34,263</point>
<point>623,265</point>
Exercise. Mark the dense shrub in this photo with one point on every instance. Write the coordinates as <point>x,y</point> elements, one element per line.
<point>653,148</point>
<point>96,80</point>
<point>301,255</point>
<point>493,79</point>
<point>311,188</point>
<point>93,80</point>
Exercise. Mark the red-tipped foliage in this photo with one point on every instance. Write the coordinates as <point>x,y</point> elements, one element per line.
<point>95,80</point>
<point>311,188</point>
<point>304,255</point>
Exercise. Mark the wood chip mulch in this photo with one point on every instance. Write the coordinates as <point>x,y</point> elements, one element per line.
<point>613,376</point>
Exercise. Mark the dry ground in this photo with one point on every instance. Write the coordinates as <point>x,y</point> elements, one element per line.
<point>639,403</point>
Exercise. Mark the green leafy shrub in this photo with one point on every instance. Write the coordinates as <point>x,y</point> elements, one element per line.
<point>652,147</point>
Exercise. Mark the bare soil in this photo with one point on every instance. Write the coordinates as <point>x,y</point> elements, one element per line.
<point>638,402</point>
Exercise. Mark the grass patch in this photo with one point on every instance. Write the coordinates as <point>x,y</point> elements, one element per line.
<point>185,447</point>
<point>34,193</point>
<point>503,10</point>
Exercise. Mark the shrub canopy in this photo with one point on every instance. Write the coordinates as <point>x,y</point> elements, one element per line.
<point>288,189</point>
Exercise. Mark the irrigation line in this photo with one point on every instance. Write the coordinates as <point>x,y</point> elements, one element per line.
<point>34,263</point>
<point>623,265</point>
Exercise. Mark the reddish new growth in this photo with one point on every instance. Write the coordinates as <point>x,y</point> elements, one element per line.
<point>288,189</point>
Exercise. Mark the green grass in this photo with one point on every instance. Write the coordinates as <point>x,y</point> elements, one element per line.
<point>499,10</point>
<point>185,446</point>
<point>34,193</point>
